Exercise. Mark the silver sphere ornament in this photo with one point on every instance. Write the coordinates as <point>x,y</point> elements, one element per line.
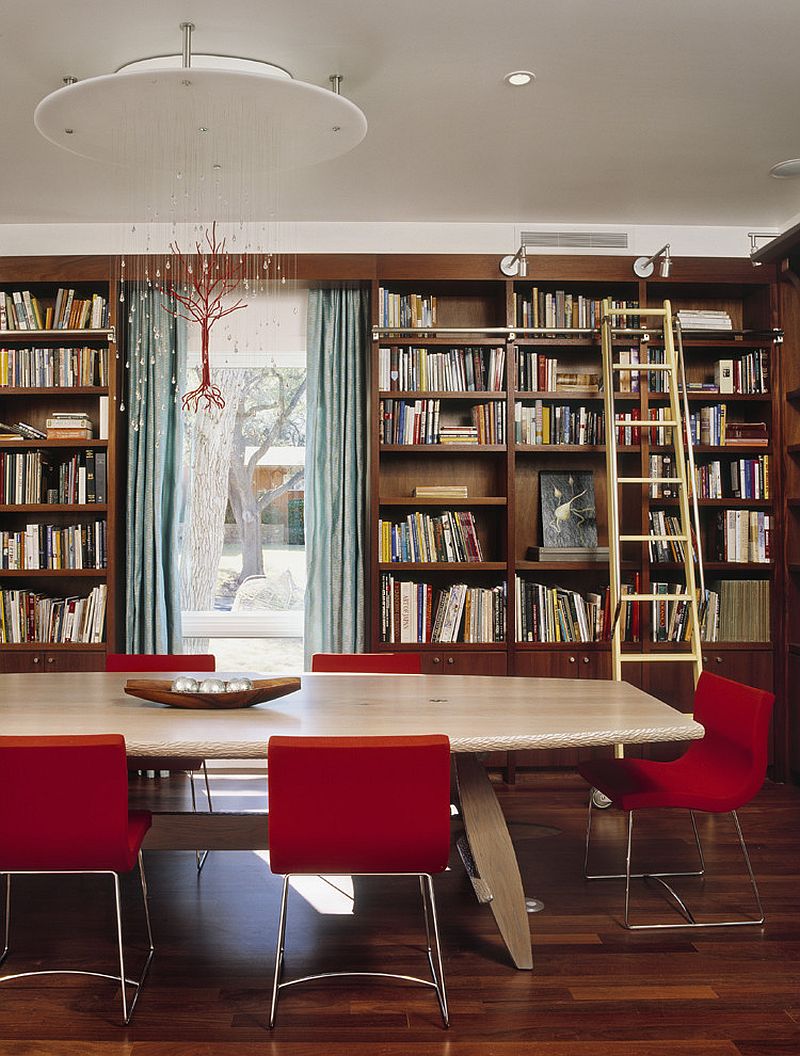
<point>239,684</point>
<point>184,684</point>
<point>212,685</point>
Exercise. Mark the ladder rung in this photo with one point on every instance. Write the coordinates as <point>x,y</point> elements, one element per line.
<point>650,480</point>
<point>641,366</point>
<point>653,538</point>
<point>655,597</point>
<point>658,658</point>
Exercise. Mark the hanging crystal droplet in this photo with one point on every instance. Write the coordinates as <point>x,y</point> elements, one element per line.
<point>122,407</point>
<point>178,175</point>
<point>122,263</point>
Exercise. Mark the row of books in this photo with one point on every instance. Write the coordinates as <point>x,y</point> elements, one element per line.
<point>406,309</point>
<point>744,536</point>
<point>539,373</point>
<point>26,616</point>
<point>745,478</point>
<point>670,621</point>
<point>55,546</point>
<point>53,368</point>
<point>747,375</point>
<point>545,423</point>
<point>554,614</point>
<point>420,612</point>
<point>421,537</point>
<point>562,310</point>
<point>404,422</point>
<point>665,550</point>
<point>29,477</point>
<point>448,370</point>
<point>22,310</point>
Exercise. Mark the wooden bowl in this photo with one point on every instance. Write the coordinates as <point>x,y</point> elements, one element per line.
<point>160,691</point>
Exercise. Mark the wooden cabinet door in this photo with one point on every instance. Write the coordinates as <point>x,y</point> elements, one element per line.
<point>464,663</point>
<point>59,660</point>
<point>21,661</point>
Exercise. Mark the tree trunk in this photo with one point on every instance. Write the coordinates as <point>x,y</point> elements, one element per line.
<point>212,431</point>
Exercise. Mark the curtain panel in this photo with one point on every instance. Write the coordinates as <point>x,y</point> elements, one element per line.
<point>336,471</point>
<point>156,359</point>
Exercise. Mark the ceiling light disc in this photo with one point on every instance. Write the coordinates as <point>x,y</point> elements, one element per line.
<point>519,78</point>
<point>123,118</point>
<point>786,170</point>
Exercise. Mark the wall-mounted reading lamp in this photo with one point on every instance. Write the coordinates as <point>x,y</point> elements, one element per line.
<point>644,266</point>
<point>516,265</point>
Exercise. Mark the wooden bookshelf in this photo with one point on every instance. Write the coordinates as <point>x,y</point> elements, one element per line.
<point>32,404</point>
<point>503,479</point>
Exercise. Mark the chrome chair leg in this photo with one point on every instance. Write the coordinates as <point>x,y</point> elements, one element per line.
<point>7,918</point>
<point>200,856</point>
<point>121,978</point>
<point>279,950</point>
<point>433,942</point>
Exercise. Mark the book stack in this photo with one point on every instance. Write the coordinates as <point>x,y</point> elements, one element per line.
<point>665,551</point>
<point>441,491</point>
<point>577,381</point>
<point>418,612</point>
<point>704,319</point>
<point>451,537</point>
<point>459,434</point>
<point>69,425</point>
<point>546,423</point>
<point>744,610</point>
<point>567,553</point>
<point>54,547</point>
<point>744,536</point>
<point>746,434</point>
<point>402,369</point>
<point>29,617</point>
<point>20,431</point>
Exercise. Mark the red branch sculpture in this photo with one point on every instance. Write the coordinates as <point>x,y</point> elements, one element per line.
<point>198,284</point>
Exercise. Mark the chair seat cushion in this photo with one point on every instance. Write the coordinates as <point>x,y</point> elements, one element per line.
<point>707,782</point>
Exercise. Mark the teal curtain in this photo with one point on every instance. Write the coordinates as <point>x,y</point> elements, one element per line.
<point>336,471</point>
<point>156,356</point>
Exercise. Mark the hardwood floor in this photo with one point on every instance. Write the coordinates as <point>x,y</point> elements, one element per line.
<point>596,990</point>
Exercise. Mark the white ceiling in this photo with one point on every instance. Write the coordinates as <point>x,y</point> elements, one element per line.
<point>643,111</point>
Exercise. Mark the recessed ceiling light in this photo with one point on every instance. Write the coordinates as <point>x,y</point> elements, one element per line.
<point>520,77</point>
<point>785,170</point>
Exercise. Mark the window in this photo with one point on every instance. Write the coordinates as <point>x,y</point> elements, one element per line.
<point>243,568</point>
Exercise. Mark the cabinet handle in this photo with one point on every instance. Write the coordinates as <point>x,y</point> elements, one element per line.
<point>586,659</point>
<point>50,659</point>
<point>718,659</point>
<point>36,659</point>
<point>450,660</point>
<point>572,659</point>
<point>437,660</point>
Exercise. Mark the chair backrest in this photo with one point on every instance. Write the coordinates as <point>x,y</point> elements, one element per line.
<point>359,804</point>
<point>160,662</point>
<point>372,663</point>
<point>736,719</point>
<point>64,803</point>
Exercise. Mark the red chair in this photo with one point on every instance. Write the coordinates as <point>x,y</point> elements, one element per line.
<point>64,809</point>
<point>172,662</point>
<point>718,774</point>
<point>329,798</point>
<point>372,663</point>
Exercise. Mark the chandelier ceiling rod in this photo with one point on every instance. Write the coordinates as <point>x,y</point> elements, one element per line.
<point>186,49</point>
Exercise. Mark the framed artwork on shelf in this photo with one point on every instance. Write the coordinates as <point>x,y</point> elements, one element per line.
<point>568,509</point>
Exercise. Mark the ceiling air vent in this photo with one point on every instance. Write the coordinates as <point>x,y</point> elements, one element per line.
<point>575,239</point>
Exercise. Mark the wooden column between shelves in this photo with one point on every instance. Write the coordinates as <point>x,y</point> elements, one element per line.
<point>493,853</point>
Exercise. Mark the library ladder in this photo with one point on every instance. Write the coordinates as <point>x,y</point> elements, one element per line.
<point>687,537</point>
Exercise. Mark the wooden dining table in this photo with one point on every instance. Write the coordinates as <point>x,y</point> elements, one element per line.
<point>478,714</point>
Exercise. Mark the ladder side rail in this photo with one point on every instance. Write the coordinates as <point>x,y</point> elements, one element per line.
<point>690,454</point>
<point>681,461</point>
<point>615,584</point>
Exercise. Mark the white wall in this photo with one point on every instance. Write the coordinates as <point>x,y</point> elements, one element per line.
<point>46,239</point>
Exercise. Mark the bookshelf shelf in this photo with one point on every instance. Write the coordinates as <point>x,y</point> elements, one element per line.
<point>58,573</point>
<point>442,566</point>
<point>738,504</point>
<point>572,566</point>
<point>106,335</point>
<point>54,392</point>
<point>80,444</point>
<point>56,507</point>
<point>472,395</point>
<point>60,647</point>
<point>403,500</point>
